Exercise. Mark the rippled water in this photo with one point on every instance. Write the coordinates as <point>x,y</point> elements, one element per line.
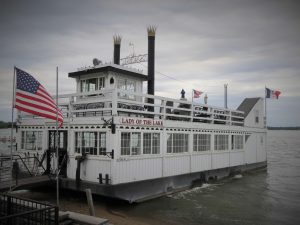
<point>269,197</point>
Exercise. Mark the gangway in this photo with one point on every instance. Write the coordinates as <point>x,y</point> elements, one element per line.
<point>22,172</point>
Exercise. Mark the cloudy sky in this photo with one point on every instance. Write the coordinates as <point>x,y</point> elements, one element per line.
<point>199,44</point>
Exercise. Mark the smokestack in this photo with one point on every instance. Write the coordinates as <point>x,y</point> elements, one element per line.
<point>151,59</point>
<point>117,47</point>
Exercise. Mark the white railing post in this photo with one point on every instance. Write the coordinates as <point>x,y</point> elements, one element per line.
<point>114,102</point>
<point>163,109</point>
<point>192,112</point>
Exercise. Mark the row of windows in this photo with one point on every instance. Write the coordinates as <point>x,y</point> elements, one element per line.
<point>137,143</point>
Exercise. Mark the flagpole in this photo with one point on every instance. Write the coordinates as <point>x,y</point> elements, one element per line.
<point>192,95</point>
<point>12,127</point>
<point>57,139</point>
<point>265,106</point>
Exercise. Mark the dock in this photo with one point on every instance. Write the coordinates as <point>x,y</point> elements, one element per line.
<point>22,172</point>
<point>28,182</point>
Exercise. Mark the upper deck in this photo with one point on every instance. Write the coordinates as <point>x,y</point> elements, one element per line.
<point>116,102</point>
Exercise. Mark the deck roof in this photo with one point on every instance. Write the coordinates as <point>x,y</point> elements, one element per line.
<point>109,67</point>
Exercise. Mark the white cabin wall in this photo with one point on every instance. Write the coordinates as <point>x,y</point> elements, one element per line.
<point>250,119</point>
<point>261,147</point>
<point>201,162</point>
<point>220,159</point>
<point>236,158</point>
<point>136,169</point>
<point>250,149</point>
<point>176,165</point>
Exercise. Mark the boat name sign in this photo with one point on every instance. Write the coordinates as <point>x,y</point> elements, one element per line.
<point>139,121</point>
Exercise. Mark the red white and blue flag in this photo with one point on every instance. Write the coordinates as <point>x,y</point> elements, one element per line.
<point>272,93</point>
<point>197,93</point>
<point>32,97</point>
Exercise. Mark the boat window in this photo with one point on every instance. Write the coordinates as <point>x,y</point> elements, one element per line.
<point>201,142</point>
<point>87,142</point>
<point>177,143</point>
<point>137,143</point>
<point>256,116</point>
<point>151,143</point>
<point>125,143</point>
<point>92,84</point>
<point>31,140</point>
<point>237,142</point>
<point>127,85</point>
<point>102,143</point>
<point>221,142</point>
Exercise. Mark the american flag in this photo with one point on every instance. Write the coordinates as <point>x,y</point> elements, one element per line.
<point>197,93</point>
<point>32,97</point>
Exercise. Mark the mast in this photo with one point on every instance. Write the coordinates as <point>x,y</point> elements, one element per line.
<point>12,125</point>
<point>57,139</point>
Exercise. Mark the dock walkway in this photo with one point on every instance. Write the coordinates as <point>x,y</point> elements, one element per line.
<point>27,182</point>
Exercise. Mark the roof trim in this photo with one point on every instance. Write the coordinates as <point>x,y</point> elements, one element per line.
<point>106,68</point>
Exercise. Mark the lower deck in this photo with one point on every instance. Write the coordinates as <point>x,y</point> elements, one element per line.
<point>122,153</point>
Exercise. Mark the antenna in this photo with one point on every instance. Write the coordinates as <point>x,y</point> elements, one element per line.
<point>96,62</point>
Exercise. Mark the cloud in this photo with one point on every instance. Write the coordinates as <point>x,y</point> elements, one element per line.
<point>200,44</point>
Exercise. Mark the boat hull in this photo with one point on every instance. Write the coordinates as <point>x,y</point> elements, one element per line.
<point>148,189</point>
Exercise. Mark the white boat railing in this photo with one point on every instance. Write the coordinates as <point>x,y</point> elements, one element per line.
<point>118,102</point>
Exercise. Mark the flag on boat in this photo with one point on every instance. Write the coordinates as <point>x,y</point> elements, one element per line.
<point>272,93</point>
<point>32,97</point>
<point>197,93</point>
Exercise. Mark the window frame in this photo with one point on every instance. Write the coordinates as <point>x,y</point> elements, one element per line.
<point>99,85</point>
<point>237,142</point>
<point>202,142</point>
<point>220,141</point>
<point>37,144</point>
<point>79,142</point>
<point>176,146</point>
<point>127,141</point>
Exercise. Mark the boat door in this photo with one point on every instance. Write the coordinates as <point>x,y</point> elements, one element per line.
<point>62,148</point>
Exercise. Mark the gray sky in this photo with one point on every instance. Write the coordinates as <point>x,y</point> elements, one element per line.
<point>202,44</point>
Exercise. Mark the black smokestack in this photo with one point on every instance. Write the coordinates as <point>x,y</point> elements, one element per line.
<point>117,47</point>
<point>151,59</point>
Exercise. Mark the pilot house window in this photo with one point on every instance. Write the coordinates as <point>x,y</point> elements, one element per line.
<point>92,84</point>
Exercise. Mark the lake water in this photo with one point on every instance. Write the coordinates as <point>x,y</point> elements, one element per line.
<point>269,197</point>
